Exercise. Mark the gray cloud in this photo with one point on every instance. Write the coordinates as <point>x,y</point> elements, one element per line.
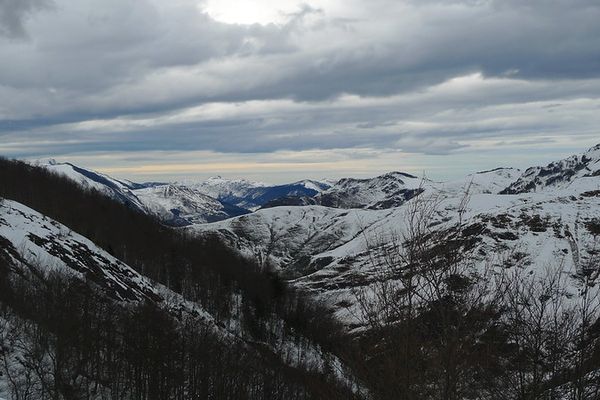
<point>431,77</point>
<point>415,122</point>
<point>13,14</point>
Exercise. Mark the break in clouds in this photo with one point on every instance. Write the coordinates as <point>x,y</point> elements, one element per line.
<point>135,82</point>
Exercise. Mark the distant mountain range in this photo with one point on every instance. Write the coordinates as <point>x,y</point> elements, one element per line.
<point>180,204</point>
<point>216,199</point>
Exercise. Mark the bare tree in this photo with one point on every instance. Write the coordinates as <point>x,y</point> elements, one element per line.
<point>426,303</point>
<point>587,312</point>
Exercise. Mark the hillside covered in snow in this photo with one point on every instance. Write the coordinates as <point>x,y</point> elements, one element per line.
<point>329,250</point>
<point>186,203</point>
<point>390,252</point>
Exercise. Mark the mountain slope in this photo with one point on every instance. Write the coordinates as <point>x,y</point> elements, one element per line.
<point>29,237</point>
<point>178,205</point>
<point>331,251</point>
<point>287,237</point>
<point>188,314</point>
<point>490,182</point>
<point>87,290</point>
<point>578,169</point>
<point>253,195</point>
<point>385,191</point>
<point>458,263</point>
<point>545,243</point>
<point>174,204</point>
<point>113,188</point>
<point>396,188</point>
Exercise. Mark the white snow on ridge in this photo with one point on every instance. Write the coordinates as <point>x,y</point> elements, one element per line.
<point>173,203</point>
<point>218,187</point>
<point>394,189</point>
<point>384,191</point>
<point>560,174</point>
<point>316,185</point>
<point>105,184</point>
<point>40,240</point>
<point>490,182</point>
<point>279,236</point>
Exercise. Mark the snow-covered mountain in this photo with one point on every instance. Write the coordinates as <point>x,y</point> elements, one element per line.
<point>253,195</point>
<point>233,191</point>
<point>582,170</point>
<point>179,205</point>
<point>333,243</point>
<point>185,203</point>
<point>34,242</point>
<point>385,191</point>
<point>217,199</point>
<point>287,238</point>
<point>36,249</point>
<point>28,237</point>
<point>119,190</point>
<point>488,182</point>
<point>32,246</point>
<point>395,188</point>
<point>174,204</point>
<point>331,250</point>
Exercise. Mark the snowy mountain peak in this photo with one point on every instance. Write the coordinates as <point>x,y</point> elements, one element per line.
<point>394,176</point>
<point>559,174</point>
<point>489,181</point>
<point>595,148</point>
<point>385,191</point>
<point>220,181</point>
<point>105,184</point>
<point>317,186</point>
<point>182,205</point>
<point>400,175</point>
<point>174,204</point>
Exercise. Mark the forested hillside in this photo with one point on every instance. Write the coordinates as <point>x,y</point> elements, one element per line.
<point>71,337</point>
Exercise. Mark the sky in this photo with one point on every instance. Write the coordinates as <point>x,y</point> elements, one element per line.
<point>283,90</point>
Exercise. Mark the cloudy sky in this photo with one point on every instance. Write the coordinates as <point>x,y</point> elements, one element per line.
<point>278,90</point>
